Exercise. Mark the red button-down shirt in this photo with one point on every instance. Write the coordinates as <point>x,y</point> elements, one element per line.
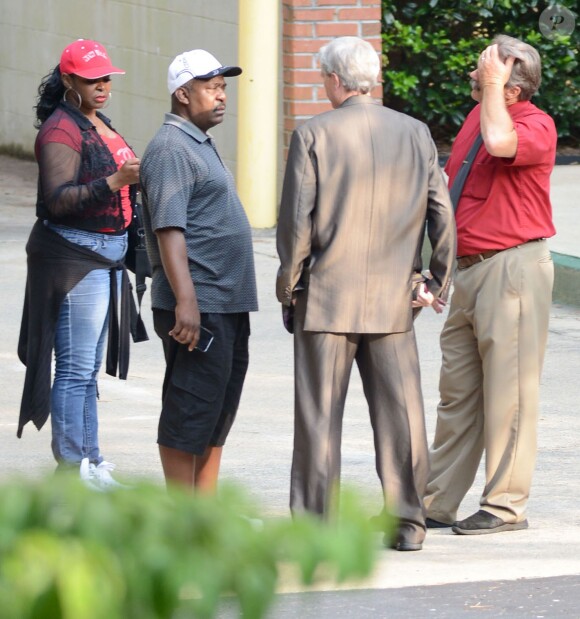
<point>505,202</point>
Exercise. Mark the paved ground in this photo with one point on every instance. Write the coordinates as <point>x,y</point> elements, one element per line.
<point>555,596</point>
<point>532,573</point>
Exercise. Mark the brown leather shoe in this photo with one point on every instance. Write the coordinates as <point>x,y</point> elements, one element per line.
<point>483,523</point>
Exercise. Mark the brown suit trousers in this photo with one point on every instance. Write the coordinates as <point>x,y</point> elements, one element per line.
<point>389,369</point>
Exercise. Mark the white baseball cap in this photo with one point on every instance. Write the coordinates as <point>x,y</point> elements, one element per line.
<point>196,64</point>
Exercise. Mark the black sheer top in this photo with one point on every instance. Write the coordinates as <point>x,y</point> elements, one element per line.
<point>73,164</point>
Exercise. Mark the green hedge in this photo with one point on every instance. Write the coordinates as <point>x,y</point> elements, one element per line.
<point>145,553</point>
<point>430,47</point>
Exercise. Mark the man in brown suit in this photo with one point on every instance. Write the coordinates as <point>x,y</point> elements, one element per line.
<point>361,183</point>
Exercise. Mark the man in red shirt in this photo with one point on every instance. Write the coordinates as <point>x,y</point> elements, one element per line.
<point>494,339</point>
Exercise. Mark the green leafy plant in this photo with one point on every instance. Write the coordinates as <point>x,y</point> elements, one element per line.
<point>429,48</point>
<point>148,553</point>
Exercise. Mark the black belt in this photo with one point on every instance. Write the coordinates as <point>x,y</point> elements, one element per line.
<point>464,262</point>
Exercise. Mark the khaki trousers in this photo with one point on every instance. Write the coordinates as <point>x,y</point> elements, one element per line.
<point>389,369</point>
<point>493,345</point>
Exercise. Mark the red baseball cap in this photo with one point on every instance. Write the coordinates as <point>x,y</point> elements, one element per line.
<point>87,59</point>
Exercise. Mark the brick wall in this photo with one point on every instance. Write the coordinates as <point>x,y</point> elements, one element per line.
<point>307,26</point>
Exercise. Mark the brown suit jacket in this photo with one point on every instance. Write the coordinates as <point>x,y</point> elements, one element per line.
<point>361,184</point>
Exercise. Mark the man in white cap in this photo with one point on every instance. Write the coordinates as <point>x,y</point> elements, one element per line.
<point>200,247</point>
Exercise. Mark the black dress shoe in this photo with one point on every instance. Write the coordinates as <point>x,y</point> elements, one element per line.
<point>436,524</point>
<point>401,542</point>
<point>483,523</point>
<point>403,545</point>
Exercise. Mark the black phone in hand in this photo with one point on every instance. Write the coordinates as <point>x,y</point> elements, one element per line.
<point>205,339</point>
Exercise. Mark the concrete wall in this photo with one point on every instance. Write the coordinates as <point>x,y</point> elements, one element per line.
<point>141,36</point>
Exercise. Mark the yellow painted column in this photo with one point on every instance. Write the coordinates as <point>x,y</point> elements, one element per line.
<point>257,110</point>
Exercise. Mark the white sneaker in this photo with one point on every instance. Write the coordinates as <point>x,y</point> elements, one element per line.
<point>98,477</point>
<point>87,475</point>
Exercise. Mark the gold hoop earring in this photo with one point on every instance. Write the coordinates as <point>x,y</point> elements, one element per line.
<point>65,100</point>
<point>108,102</point>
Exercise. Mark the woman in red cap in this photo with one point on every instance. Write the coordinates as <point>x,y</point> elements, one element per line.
<point>87,184</point>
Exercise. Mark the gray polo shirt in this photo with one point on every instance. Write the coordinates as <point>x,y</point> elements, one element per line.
<point>185,185</point>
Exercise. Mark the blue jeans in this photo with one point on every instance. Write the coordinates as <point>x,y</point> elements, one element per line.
<point>81,333</point>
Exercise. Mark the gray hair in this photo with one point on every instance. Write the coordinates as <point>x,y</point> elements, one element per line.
<point>354,61</point>
<point>527,69</point>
